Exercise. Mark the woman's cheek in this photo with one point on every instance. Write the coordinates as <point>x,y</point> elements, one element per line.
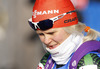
<point>57,39</point>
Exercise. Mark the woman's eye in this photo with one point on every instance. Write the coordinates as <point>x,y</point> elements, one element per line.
<point>51,33</point>
<point>40,34</point>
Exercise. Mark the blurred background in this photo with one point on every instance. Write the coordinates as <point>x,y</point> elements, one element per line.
<point>20,47</point>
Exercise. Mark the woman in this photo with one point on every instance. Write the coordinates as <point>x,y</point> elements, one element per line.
<point>56,23</point>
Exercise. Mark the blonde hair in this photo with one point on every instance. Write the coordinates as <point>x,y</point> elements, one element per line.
<point>79,29</point>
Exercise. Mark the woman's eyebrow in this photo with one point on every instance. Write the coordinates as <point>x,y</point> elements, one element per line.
<point>50,32</point>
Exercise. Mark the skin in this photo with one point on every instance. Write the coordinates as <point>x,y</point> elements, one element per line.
<point>52,38</point>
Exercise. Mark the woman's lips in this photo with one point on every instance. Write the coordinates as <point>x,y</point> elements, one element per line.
<point>52,46</point>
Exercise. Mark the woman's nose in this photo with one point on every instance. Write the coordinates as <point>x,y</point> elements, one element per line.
<point>47,40</point>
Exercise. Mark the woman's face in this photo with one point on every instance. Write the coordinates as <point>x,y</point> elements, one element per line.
<point>53,37</point>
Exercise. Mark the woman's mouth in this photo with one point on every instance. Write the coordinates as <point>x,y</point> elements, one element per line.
<point>52,46</point>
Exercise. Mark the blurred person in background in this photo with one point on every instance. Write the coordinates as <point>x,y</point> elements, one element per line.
<point>3,21</point>
<point>69,43</point>
<point>80,4</point>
